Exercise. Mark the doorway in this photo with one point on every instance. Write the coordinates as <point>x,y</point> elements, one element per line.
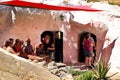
<point>81,50</point>
<point>58,46</point>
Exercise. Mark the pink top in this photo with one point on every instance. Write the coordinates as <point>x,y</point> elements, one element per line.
<point>87,45</point>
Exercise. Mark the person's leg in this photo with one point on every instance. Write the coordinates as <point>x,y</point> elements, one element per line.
<point>87,57</point>
<point>90,61</point>
<point>86,61</point>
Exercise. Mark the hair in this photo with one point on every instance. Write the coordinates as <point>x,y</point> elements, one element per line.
<point>11,39</point>
<point>28,40</point>
<point>7,43</point>
<point>47,33</point>
<point>88,34</point>
<point>17,41</point>
<point>87,37</point>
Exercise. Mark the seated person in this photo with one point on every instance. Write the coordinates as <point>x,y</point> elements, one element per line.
<point>4,46</point>
<point>46,49</point>
<point>30,52</point>
<point>8,45</point>
<point>17,46</point>
<point>50,48</point>
<point>38,49</point>
<point>12,40</point>
<point>29,48</point>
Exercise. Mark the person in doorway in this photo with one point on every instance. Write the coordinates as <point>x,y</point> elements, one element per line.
<point>49,47</point>
<point>88,48</point>
<point>92,53</point>
<point>46,48</point>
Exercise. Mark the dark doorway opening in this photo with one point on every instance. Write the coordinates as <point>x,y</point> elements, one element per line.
<point>57,38</point>
<point>59,46</point>
<point>81,49</point>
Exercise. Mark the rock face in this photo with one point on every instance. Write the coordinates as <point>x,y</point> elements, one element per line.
<point>15,68</point>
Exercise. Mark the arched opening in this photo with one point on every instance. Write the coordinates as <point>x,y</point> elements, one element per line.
<point>81,49</point>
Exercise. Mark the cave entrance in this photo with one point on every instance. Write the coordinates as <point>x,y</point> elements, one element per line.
<point>81,50</point>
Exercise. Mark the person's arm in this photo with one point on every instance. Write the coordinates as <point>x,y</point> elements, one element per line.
<point>52,47</point>
<point>93,42</point>
<point>4,47</point>
<point>13,52</point>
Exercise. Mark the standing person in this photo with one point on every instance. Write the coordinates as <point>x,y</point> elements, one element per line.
<point>88,48</point>
<point>90,38</point>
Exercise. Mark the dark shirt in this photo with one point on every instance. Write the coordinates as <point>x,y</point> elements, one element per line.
<point>29,49</point>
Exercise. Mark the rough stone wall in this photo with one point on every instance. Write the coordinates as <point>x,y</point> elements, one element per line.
<point>13,67</point>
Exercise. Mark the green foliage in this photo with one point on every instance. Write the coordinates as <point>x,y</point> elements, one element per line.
<point>77,77</point>
<point>100,71</point>
<point>74,72</point>
<point>87,76</point>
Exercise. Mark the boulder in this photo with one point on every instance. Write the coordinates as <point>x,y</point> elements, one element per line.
<point>13,67</point>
